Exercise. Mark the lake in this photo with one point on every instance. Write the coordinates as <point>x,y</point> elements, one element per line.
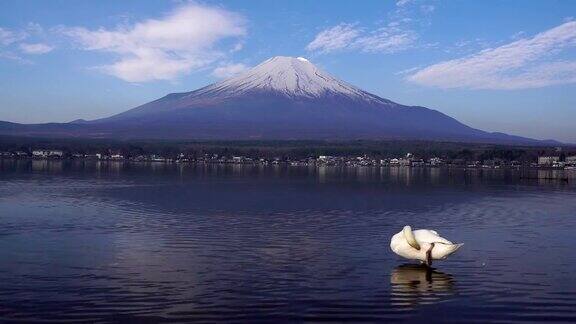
<point>119,242</point>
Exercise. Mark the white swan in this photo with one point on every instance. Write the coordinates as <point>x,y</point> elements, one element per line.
<point>423,245</point>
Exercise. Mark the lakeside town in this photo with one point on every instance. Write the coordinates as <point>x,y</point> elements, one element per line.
<point>556,161</point>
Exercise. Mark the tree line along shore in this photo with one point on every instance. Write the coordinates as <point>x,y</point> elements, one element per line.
<point>369,153</point>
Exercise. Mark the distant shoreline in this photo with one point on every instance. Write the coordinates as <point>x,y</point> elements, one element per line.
<point>304,153</point>
<point>292,164</point>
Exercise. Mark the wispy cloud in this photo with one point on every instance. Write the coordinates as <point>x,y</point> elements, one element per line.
<point>229,70</point>
<point>8,36</point>
<point>163,49</point>
<point>427,9</point>
<point>9,55</point>
<point>35,48</point>
<point>388,39</point>
<point>521,64</point>
<point>401,3</point>
<point>397,35</point>
<point>14,43</point>
<point>335,38</point>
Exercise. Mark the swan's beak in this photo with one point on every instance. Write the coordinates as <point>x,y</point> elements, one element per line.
<point>410,237</point>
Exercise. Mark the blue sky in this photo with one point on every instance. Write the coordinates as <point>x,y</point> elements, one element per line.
<point>505,66</point>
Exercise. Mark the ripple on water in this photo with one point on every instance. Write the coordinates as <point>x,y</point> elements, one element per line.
<point>160,245</point>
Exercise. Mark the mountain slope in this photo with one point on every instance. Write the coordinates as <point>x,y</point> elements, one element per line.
<point>281,78</point>
<point>282,98</point>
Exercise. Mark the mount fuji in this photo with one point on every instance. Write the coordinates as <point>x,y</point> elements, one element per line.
<point>282,98</point>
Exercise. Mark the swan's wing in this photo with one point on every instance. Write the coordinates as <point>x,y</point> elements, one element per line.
<point>429,236</point>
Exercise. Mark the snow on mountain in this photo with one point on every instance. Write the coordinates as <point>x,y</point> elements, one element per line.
<point>290,76</point>
<point>281,98</point>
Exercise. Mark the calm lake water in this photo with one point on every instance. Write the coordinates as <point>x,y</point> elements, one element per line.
<point>113,242</point>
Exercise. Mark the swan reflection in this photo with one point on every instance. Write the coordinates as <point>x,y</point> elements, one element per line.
<point>413,285</point>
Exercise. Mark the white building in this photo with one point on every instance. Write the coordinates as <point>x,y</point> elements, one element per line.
<point>47,153</point>
<point>548,160</point>
<point>39,153</point>
<point>405,162</point>
<point>55,153</point>
<point>435,161</point>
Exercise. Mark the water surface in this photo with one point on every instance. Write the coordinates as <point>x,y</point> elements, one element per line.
<point>111,242</point>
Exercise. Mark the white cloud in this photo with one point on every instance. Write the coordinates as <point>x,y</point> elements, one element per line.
<point>165,48</point>
<point>401,3</point>
<point>521,64</point>
<point>427,9</point>
<point>15,42</point>
<point>34,28</point>
<point>399,34</point>
<point>390,39</point>
<point>14,57</point>
<point>35,48</point>
<point>334,38</point>
<point>7,40</point>
<point>8,37</point>
<point>229,70</point>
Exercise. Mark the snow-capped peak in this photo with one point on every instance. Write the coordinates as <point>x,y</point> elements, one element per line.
<point>290,76</point>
